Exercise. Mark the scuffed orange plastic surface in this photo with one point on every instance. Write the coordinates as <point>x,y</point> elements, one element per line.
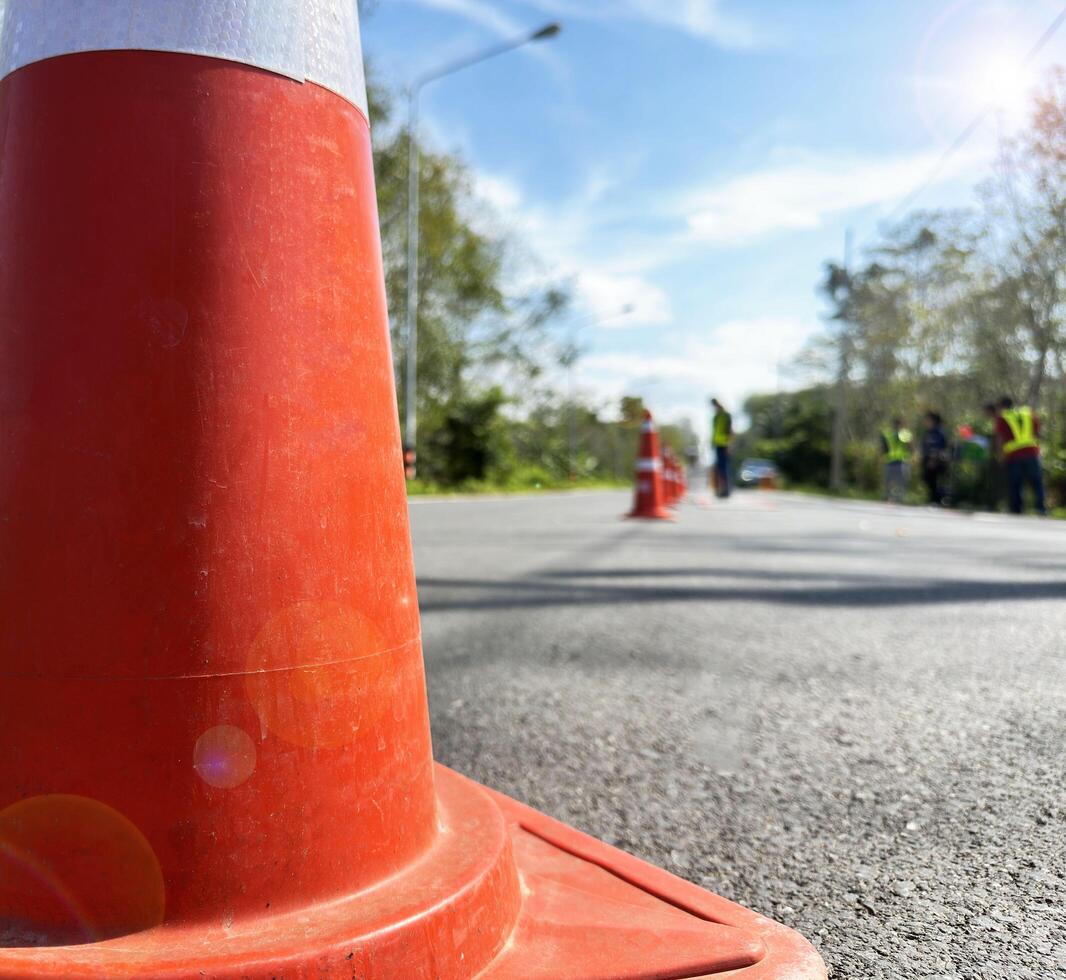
<point>216,757</point>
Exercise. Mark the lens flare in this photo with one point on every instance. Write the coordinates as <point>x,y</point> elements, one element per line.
<point>320,673</point>
<point>1004,83</point>
<point>224,757</point>
<point>972,60</point>
<point>74,870</point>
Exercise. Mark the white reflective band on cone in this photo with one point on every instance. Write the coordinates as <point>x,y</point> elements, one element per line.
<point>648,427</point>
<point>308,40</point>
<point>649,466</point>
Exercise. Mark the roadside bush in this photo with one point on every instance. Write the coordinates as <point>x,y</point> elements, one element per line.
<point>1055,477</point>
<point>471,443</point>
<point>864,467</point>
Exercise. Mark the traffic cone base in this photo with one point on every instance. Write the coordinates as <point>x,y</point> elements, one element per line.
<point>654,512</point>
<point>506,893</point>
<point>591,911</point>
<point>447,914</point>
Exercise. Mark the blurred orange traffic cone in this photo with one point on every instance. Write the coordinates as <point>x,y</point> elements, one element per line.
<point>648,500</point>
<point>217,755</point>
<point>671,478</point>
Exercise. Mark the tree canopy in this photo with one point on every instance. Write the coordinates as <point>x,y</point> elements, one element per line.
<point>947,311</point>
<point>491,348</point>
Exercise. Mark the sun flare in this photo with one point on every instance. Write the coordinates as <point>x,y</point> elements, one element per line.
<point>1002,83</point>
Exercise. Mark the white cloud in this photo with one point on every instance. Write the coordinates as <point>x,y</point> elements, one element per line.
<point>802,195</point>
<point>700,18</point>
<point>703,19</point>
<point>612,261</point>
<point>622,300</point>
<point>736,359</point>
<point>480,12</point>
<point>558,240</point>
<point>500,193</point>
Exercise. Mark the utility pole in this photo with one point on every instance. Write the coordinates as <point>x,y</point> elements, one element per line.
<point>778,396</point>
<point>836,469</point>
<point>410,426</point>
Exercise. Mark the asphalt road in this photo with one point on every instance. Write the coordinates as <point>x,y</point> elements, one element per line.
<point>847,716</point>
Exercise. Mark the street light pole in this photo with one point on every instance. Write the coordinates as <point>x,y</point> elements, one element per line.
<point>836,459</point>
<point>414,159</point>
<point>413,241</point>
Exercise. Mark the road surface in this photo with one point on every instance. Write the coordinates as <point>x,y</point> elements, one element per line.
<point>847,716</point>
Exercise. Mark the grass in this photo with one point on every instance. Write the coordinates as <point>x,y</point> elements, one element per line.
<point>914,498</point>
<point>422,488</point>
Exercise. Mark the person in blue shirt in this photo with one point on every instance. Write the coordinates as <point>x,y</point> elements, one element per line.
<point>934,457</point>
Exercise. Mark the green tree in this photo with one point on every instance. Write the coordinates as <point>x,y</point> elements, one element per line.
<point>471,327</point>
<point>1026,202</point>
<point>793,430</point>
<point>952,309</point>
<point>473,441</point>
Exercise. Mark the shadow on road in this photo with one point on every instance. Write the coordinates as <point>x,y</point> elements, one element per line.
<point>688,572</point>
<point>447,594</point>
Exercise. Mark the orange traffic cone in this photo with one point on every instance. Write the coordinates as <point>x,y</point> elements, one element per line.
<point>216,755</point>
<point>668,480</point>
<point>676,476</point>
<point>648,499</point>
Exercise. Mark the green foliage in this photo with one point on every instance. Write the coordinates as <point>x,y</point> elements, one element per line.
<point>953,309</point>
<point>1055,476</point>
<point>470,442</point>
<point>632,411</point>
<point>678,436</point>
<point>482,449</point>
<point>864,468</point>
<point>461,269</point>
<point>472,328</point>
<point>485,419</point>
<point>792,430</point>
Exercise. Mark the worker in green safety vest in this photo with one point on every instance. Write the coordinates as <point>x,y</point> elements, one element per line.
<point>1018,445</point>
<point>896,448</point>
<point>721,441</point>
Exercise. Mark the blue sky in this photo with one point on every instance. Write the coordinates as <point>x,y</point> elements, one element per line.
<point>700,159</point>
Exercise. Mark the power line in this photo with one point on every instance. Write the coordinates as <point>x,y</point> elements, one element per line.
<point>971,127</point>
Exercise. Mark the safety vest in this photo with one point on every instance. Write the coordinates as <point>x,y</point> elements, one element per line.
<point>723,429</point>
<point>898,445</point>
<point>1022,428</point>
